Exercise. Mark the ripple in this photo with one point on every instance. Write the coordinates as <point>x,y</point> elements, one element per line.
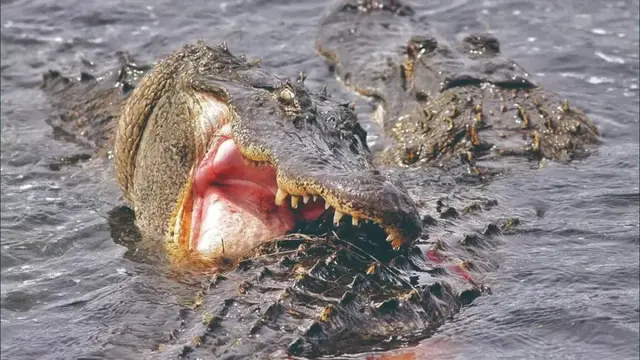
<point>566,285</point>
<point>610,58</point>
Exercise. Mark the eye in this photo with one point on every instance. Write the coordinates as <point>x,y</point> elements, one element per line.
<point>286,96</point>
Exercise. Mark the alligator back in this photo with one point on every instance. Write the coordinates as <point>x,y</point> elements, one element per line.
<point>447,104</point>
<point>85,110</point>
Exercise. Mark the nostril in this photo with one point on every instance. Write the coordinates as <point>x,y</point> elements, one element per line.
<point>299,122</point>
<point>375,172</point>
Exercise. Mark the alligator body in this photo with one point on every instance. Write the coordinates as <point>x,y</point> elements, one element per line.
<point>86,110</point>
<point>447,104</point>
<point>336,291</point>
<point>335,288</point>
<point>344,286</point>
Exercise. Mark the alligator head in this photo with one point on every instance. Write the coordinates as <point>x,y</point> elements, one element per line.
<point>220,155</point>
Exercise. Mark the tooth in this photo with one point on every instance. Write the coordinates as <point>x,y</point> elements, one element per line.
<point>294,201</point>
<point>336,217</point>
<point>280,196</point>
<point>354,220</point>
<point>326,206</point>
<point>315,198</point>
<point>395,243</point>
<point>305,199</point>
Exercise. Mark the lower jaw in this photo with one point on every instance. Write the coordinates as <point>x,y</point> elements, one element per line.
<point>231,205</point>
<point>225,225</point>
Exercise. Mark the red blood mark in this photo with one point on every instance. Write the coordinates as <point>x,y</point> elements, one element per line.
<point>435,257</point>
<point>460,271</point>
<point>430,349</point>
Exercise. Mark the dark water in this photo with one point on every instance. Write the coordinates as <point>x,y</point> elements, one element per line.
<point>566,287</point>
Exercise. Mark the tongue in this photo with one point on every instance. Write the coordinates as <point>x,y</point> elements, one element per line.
<point>235,227</point>
<point>235,207</point>
<point>227,163</point>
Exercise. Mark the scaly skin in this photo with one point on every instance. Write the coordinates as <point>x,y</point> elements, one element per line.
<point>336,279</point>
<point>337,291</point>
<point>447,104</point>
<point>316,145</point>
<point>323,293</point>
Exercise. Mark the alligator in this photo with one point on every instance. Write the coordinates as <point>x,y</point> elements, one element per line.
<point>448,104</point>
<point>256,177</point>
<point>204,128</point>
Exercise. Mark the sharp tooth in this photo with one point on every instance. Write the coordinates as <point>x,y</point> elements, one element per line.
<point>354,220</point>
<point>305,199</point>
<point>336,217</point>
<point>315,198</point>
<point>280,196</point>
<point>326,206</point>
<point>294,201</point>
<point>395,243</point>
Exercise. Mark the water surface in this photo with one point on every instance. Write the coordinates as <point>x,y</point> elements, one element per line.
<point>566,288</point>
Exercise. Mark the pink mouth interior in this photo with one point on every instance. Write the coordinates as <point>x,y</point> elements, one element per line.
<point>234,206</point>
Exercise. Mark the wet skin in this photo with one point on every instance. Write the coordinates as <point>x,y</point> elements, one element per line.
<point>202,118</point>
<point>448,104</point>
<point>218,155</point>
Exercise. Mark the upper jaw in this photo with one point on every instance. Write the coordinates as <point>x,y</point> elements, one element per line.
<point>336,169</point>
<point>345,184</point>
<point>365,196</point>
<point>310,170</point>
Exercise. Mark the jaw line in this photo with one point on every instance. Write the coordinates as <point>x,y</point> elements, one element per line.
<point>230,186</point>
<point>191,212</point>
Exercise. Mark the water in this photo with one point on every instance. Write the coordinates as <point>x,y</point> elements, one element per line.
<point>566,288</point>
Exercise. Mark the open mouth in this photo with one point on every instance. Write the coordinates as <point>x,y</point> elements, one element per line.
<point>236,204</point>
